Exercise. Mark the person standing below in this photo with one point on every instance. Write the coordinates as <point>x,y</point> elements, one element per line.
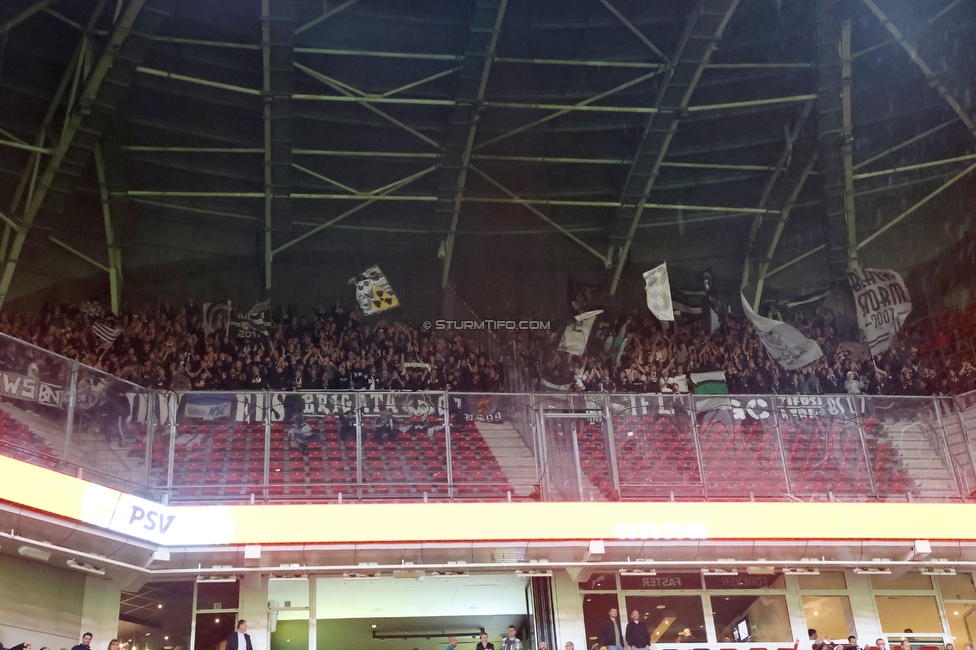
<point>881,644</point>
<point>240,639</point>
<point>451,643</point>
<point>484,643</point>
<point>611,635</point>
<point>638,638</point>
<point>570,646</point>
<point>113,644</point>
<point>85,644</point>
<point>511,642</point>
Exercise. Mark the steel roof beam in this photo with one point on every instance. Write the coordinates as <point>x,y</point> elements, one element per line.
<point>636,32</point>
<point>352,94</point>
<point>701,36</point>
<point>325,16</point>
<point>484,28</point>
<point>778,230</point>
<point>24,15</point>
<point>778,170</point>
<point>89,118</point>
<point>930,75</point>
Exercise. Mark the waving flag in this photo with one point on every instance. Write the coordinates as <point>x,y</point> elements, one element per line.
<point>577,333</point>
<point>373,291</point>
<point>106,331</point>
<point>658,290</point>
<point>784,342</point>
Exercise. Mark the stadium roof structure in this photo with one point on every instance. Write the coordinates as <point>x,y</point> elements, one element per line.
<point>754,136</point>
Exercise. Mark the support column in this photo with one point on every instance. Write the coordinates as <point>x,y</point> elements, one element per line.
<point>254,609</point>
<point>836,135</point>
<point>114,253</point>
<point>278,50</point>
<point>100,610</point>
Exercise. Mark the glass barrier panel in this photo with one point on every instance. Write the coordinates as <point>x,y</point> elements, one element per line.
<point>109,430</point>
<point>824,448</point>
<point>314,448</point>
<point>491,448</point>
<point>740,451</point>
<point>907,449</point>
<point>34,401</point>
<point>656,450</point>
<point>205,426</point>
<point>404,444</point>
<point>575,458</point>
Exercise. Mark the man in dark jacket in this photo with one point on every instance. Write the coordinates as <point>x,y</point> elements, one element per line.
<point>611,634</point>
<point>239,639</point>
<point>638,638</point>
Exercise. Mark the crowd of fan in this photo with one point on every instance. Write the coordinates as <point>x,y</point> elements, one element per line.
<point>656,359</point>
<point>168,348</point>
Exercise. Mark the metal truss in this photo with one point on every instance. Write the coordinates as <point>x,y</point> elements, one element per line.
<point>705,27</point>
<point>483,30</point>
<point>86,119</point>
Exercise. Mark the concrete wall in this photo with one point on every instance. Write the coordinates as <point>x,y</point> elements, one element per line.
<point>47,606</point>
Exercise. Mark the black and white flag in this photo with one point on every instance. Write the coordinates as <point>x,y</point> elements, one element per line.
<point>577,333</point>
<point>785,343</point>
<point>658,290</point>
<point>216,317</point>
<point>106,331</point>
<point>883,305</point>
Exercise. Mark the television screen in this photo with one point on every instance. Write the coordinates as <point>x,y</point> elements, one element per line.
<point>741,631</point>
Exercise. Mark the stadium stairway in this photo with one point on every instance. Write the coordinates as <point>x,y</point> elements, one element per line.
<point>513,455</point>
<point>918,465</point>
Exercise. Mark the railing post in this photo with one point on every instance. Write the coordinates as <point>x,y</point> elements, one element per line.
<point>69,425</point>
<point>150,434</point>
<point>266,480</point>
<point>543,454</point>
<point>697,440</point>
<point>859,421</point>
<point>773,406</point>
<point>576,458</point>
<point>611,447</point>
<point>357,402</point>
<point>172,408</point>
<point>964,430</point>
<point>447,447</point>
<point>944,439</point>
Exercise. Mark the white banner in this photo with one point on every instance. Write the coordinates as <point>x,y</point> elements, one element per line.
<point>658,290</point>
<point>577,333</point>
<point>784,342</point>
<point>883,305</point>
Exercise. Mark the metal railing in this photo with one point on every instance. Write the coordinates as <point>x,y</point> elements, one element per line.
<point>358,445</point>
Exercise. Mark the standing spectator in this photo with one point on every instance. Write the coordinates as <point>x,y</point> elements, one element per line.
<point>85,644</point>
<point>512,642</point>
<point>611,635</point>
<point>239,639</point>
<point>484,643</point>
<point>638,638</point>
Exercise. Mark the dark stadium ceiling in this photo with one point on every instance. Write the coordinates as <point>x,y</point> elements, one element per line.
<point>604,124</point>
